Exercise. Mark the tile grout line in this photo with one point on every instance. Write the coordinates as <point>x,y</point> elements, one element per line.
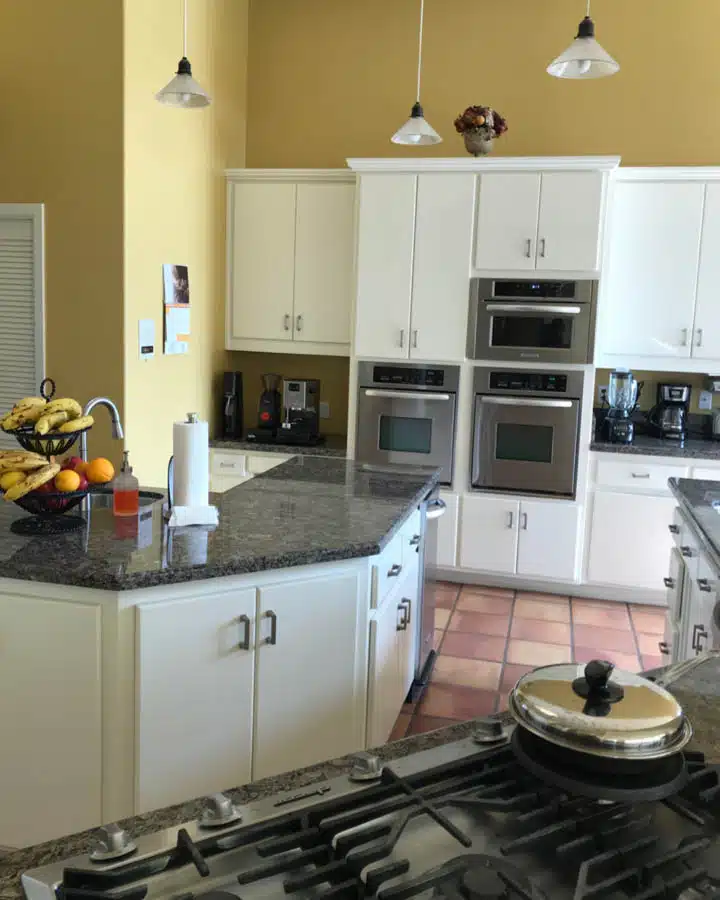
<point>503,662</point>
<point>572,630</point>
<point>634,636</point>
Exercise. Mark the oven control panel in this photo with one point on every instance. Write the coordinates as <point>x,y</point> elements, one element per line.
<point>407,375</point>
<point>546,382</point>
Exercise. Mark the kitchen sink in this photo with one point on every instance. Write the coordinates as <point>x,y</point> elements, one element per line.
<point>103,499</point>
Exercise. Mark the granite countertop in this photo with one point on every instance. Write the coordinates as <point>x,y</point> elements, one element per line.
<point>334,445</point>
<point>306,510</point>
<point>700,502</point>
<point>647,445</point>
<point>697,686</point>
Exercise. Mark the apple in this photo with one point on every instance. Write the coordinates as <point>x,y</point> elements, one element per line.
<point>74,462</point>
<point>84,484</point>
<point>47,488</point>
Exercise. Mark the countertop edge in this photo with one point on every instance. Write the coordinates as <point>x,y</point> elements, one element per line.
<point>707,544</point>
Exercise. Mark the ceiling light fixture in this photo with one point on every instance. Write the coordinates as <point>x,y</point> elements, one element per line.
<point>584,58</point>
<point>416,131</point>
<point>183,91</point>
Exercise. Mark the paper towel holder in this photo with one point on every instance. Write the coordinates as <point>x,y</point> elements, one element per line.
<point>191,419</point>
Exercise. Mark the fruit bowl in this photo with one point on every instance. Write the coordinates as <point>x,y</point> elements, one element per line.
<point>52,444</point>
<point>51,503</point>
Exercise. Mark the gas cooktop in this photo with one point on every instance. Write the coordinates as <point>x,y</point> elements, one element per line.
<point>464,820</point>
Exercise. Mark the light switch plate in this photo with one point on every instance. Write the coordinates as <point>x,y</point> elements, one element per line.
<point>324,410</point>
<point>705,400</point>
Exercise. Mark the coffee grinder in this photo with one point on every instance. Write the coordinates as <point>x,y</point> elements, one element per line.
<point>269,409</point>
<point>623,395</point>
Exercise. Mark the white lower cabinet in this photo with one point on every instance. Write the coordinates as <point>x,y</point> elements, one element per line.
<point>445,547</point>
<point>195,679</point>
<point>629,540</point>
<point>50,672</point>
<point>489,534</point>
<point>385,695</point>
<point>697,626</point>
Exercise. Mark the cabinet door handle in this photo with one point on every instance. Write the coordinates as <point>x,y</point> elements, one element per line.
<point>244,623</point>
<point>408,618</point>
<point>704,585</point>
<point>524,522</point>
<point>402,338</point>
<point>394,570</point>
<point>273,627</point>
<point>415,540</point>
<point>674,529</point>
<point>414,339</point>
<point>510,519</point>
<point>663,647</point>
<point>286,321</point>
<point>543,244</point>
<point>669,583</point>
<point>640,475</point>
<point>699,337</point>
<point>699,634</point>
<point>683,337</point>
<point>402,624</point>
<point>528,248</point>
<point>686,551</point>
<point>299,323</point>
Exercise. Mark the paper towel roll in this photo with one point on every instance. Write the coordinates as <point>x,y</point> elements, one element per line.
<point>191,476</point>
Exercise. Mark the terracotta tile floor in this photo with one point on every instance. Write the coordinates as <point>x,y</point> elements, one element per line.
<point>487,638</point>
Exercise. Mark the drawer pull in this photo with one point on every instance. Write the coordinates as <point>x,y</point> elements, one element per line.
<point>415,540</point>
<point>394,570</point>
<point>674,529</point>
<point>699,634</point>
<point>403,623</point>
<point>663,647</point>
<point>704,585</point>
<point>686,551</point>
<point>510,519</point>
<point>669,583</point>
<point>640,475</point>
<point>273,627</point>
<point>244,622</point>
<point>228,465</point>
<point>405,600</point>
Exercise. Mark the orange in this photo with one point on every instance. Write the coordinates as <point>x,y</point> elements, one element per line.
<point>67,481</point>
<point>99,471</point>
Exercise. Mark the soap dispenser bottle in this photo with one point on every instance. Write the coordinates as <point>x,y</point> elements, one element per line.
<point>126,490</point>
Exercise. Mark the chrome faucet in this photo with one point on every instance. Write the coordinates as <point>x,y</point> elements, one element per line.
<point>117,429</point>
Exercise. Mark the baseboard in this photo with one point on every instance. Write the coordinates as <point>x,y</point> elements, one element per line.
<point>588,591</point>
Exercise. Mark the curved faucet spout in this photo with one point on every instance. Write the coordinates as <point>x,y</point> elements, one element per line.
<point>116,425</point>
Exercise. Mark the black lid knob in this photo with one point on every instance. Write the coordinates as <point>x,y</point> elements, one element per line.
<point>595,685</point>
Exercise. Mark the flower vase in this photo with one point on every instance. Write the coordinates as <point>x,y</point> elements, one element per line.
<point>477,142</point>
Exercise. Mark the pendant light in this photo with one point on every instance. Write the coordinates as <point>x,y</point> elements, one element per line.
<point>584,58</point>
<point>416,131</point>
<point>183,91</point>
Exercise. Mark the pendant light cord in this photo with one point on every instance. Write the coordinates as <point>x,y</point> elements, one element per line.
<point>185,27</point>
<point>420,44</point>
<point>587,14</point>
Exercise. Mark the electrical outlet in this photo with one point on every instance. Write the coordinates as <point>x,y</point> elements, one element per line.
<point>602,393</point>
<point>705,400</point>
<point>324,410</point>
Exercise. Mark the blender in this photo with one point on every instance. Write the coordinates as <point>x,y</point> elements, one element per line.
<point>623,395</point>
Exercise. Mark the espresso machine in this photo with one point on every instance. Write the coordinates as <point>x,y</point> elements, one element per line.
<point>301,412</point>
<point>669,416</point>
<point>269,406</point>
<point>623,395</point>
<point>231,415</point>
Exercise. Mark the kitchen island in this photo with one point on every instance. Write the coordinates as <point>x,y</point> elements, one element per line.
<point>144,665</point>
<point>697,686</point>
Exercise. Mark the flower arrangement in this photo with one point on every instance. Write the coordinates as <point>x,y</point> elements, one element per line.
<point>479,125</point>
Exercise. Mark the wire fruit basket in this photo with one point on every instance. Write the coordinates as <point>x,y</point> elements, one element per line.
<point>52,444</point>
<point>51,503</point>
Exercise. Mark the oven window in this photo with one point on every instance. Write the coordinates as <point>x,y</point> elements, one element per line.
<point>532,330</point>
<point>404,434</point>
<point>524,443</point>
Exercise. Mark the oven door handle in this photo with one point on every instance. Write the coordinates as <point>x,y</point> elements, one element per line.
<point>526,401</point>
<point>405,395</point>
<point>558,309</point>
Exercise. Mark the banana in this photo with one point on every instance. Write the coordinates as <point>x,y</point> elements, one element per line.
<point>64,404</point>
<point>22,415</point>
<point>30,401</point>
<point>33,481</point>
<point>76,425</point>
<point>21,461</point>
<point>50,420</point>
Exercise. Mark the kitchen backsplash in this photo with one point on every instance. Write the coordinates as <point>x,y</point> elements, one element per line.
<point>332,371</point>
<point>648,397</point>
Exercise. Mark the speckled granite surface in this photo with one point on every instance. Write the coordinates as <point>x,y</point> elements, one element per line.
<point>646,445</point>
<point>306,510</point>
<point>698,690</point>
<point>700,502</point>
<point>334,445</point>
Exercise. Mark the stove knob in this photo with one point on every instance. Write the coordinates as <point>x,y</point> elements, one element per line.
<point>366,767</point>
<point>113,843</point>
<point>219,810</point>
<point>490,731</point>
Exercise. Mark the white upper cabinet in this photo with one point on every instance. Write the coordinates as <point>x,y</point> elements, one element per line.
<point>290,262</point>
<point>507,220</point>
<point>386,233</point>
<point>706,336</point>
<point>647,293</point>
<point>569,227</point>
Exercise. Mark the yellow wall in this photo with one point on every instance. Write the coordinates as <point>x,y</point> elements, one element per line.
<point>175,208</point>
<point>331,370</point>
<point>61,124</point>
<point>335,78</point>
<point>648,397</point>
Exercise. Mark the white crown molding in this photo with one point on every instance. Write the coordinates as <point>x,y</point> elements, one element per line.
<point>291,175</point>
<point>668,173</point>
<point>487,164</point>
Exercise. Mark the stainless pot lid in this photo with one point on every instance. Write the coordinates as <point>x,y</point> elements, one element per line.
<point>600,710</point>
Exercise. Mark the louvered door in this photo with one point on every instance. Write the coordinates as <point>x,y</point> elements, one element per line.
<point>22,352</point>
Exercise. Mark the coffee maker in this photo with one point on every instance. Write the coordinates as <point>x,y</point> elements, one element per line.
<point>623,395</point>
<point>268,410</point>
<point>231,415</point>
<point>669,415</point>
<point>301,412</point>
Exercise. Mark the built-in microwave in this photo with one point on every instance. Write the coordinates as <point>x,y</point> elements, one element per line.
<point>532,320</point>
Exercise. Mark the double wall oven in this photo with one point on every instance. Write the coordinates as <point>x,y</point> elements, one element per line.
<point>532,321</point>
<point>526,430</point>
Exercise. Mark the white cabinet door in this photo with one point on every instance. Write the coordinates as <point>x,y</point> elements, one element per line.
<point>445,547</point>
<point>50,704</point>
<point>262,264</point>
<point>647,295</point>
<point>408,635</point>
<point>571,206</point>
<point>629,541</point>
<point>386,233</point>
<point>195,665</point>
<point>706,338</point>
<point>489,534</point>
<point>443,247</point>
<point>311,673</point>
<point>507,221</point>
<point>548,539</point>
<point>324,249</point>
<point>385,694</point>
<point>697,628</point>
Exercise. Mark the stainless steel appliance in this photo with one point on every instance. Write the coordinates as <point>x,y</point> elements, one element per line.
<point>406,415</point>
<point>301,411</point>
<point>232,406</point>
<point>669,415</point>
<point>623,394</point>
<point>526,429</point>
<point>462,820</point>
<point>434,508</point>
<point>543,321</point>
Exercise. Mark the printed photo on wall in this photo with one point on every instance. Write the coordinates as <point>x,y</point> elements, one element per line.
<point>176,283</point>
